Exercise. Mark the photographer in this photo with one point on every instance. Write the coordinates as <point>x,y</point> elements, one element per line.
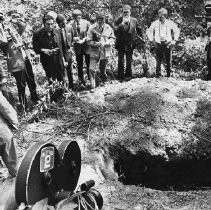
<point>163,33</point>
<point>18,62</point>
<point>48,43</point>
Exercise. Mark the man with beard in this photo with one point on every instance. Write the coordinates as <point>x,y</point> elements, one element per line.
<point>126,28</point>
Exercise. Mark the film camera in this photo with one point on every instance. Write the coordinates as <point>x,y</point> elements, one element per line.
<point>50,172</point>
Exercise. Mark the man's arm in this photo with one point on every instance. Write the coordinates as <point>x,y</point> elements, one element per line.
<point>111,38</point>
<point>138,29</point>
<point>89,38</point>
<point>3,37</point>
<point>150,32</point>
<point>69,35</point>
<point>8,112</point>
<point>176,31</point>
<point>118,25</point>
<point>36,43</point>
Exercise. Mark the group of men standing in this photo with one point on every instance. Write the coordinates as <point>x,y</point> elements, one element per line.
<point>92,42</point>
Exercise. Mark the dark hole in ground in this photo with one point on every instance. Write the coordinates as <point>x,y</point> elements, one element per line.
<point>157,173</point>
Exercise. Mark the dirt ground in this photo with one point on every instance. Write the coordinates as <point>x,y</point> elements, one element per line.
<point>144,141</point>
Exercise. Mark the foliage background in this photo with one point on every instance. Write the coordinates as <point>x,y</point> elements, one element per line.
<point>189,56</point>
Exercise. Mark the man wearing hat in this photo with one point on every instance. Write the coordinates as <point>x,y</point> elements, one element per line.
<point>163,33</point>
<point>126,28</point>
<point>80,28</point>
<point>100,38</point>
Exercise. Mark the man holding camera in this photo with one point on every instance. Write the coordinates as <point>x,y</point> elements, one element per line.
<point>163,33</point>
<point>47,42</point>
<point>18,63</point>
<point>126,28</point>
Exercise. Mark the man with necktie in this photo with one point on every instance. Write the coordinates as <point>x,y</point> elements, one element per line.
<point>80,27</point>
<point>67,39</point>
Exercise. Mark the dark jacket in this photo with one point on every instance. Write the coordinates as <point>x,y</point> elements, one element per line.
<point>50,63</point>
<point>67,51</point>
<point>126,36</point>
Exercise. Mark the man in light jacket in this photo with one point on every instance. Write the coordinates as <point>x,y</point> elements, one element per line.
<point>163,33</point>
<point>8,121</point>
<point>100,38</point>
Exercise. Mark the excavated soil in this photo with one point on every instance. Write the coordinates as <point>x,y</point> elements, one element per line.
<point>146,142</point>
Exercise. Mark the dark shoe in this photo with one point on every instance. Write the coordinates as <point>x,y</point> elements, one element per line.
<point>128,79</point>
<point>92,90</point>
<point>34,97</point>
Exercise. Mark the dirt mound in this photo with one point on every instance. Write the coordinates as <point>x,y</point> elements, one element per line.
<point>147,132</point>
<point>161,116</point>
<point>156,130</point>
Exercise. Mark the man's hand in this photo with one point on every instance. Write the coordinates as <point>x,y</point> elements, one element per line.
<point>47,52</point>
<point>154,43</point>
<point>98,44</point>
<point>76,39</point>
<point>3,81</point>
<point>173,42</point>
<point>65,64</point>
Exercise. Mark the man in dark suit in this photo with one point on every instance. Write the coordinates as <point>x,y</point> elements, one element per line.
<point>126,28</point>
<point>80,28</point>
<point>47,42</point>
<point>18,60</point>
<point>67,39</point>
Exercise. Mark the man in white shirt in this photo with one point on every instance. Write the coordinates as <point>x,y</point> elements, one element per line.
<point>163,33</point>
